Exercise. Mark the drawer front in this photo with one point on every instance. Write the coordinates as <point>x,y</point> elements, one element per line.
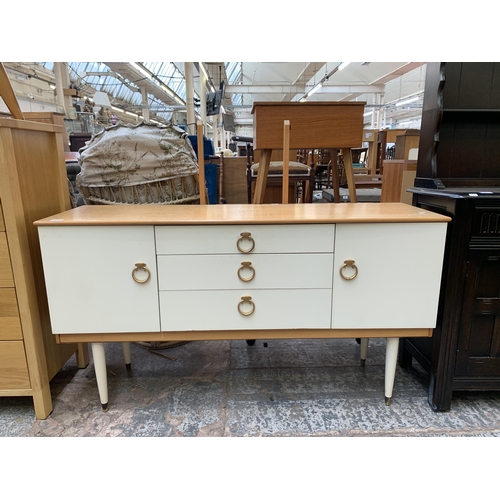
<point>219,272</point>
<point>6,277</point>
<point>10,323</point>
<point>218,310</point>
<point>213,239</point>
<point>13,366</point>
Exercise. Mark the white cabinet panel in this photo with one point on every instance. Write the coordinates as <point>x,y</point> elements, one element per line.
<point>88,273</point>
<point>213,239</point>
<point>399,272</point>
<point>204,272</point>
<point>218,310</point>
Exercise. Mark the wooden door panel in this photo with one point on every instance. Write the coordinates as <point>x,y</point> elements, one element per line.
<point>479,339</point>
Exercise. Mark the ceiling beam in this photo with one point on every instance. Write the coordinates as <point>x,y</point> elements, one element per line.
<point>138,78</point>
<point>301,89</point>
<point>402,70</point>
<point>309,71</point>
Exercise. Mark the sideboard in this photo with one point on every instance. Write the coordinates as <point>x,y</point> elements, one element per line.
<point>213,272</point>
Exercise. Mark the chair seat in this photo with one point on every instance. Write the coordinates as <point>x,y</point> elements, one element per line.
<point>276,169</point>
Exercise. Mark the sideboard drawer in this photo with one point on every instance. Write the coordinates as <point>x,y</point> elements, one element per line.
<point>10,323</point>
<point>218,310</point>
<point>209,239</point>
<point>219,272</point>
<point>13,366</point>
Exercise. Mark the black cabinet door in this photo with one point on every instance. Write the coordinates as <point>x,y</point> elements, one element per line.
<point>478,353</point>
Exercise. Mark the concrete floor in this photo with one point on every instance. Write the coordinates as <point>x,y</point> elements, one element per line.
<point>227,388</point>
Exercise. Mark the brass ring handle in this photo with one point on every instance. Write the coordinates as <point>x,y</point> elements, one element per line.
<point>245,236</point>
<point>247,265</point>
<point>246,298</point>
<point>140,266</point>
<point>349,263</point>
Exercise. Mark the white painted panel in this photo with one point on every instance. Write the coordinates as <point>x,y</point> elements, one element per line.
<point>88,274</point>
<point>399,273</point>
<point>210,239</point>
<point>218,310</point>
<point>202,272</point>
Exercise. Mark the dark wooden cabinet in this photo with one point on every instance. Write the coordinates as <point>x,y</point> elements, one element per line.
<point>464,351</point>
<point>458,174</point>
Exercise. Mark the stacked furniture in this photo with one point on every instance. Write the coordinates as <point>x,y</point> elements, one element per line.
<point>458,174</point>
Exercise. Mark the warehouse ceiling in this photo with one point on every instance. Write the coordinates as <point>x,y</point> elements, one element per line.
<point>384,86</point>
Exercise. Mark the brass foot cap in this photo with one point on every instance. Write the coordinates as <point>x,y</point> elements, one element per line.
<point>104,406</point>
<point>128,366</point>
<point>363,362</point>
<point>387,401</point>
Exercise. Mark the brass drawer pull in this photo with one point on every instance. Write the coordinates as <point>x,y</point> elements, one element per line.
<point>349,263</point>
<point>246,298</point>
<point>245,236</point>
<point>140,266</point>
<point>247,265</point>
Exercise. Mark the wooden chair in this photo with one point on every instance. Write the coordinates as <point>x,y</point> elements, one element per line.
<point>301,176</point>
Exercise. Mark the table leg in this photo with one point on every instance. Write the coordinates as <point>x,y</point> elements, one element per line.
<point>335,175</point>
<point>391,358</point>
<point>364,351</point>
<point>99,354</point>
<point>260,183</point>
<point>126,355</point>
<point>349,174</point>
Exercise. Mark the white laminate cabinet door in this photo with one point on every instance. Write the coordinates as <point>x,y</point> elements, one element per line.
<point>399,273</point>
<point>88,274</point>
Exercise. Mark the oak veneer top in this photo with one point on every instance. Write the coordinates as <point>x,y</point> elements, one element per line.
<point>312,213</point>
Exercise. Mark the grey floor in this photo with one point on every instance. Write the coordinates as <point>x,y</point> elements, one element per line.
<point>227,388</point>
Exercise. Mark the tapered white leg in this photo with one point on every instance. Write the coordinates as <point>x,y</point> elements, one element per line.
<point>391,357</point>
<point>99,355</point>
<point>364,351</point>
<point>126,355</point>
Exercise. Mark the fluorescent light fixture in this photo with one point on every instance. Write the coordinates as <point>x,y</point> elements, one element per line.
<point>315,89</point>
<point>407,101</point>
<point>102,99</point>
<point>131,114</point>
<point>117,109</point>
<point>141,70</point>
<point>368,114</point>
<point>342,65</point>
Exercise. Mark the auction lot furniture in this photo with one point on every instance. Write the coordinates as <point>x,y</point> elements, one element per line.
<point>215,272</point>
<point>33,184</point>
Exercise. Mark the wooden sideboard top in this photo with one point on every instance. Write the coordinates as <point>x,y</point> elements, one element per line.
<point>312,213</point>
